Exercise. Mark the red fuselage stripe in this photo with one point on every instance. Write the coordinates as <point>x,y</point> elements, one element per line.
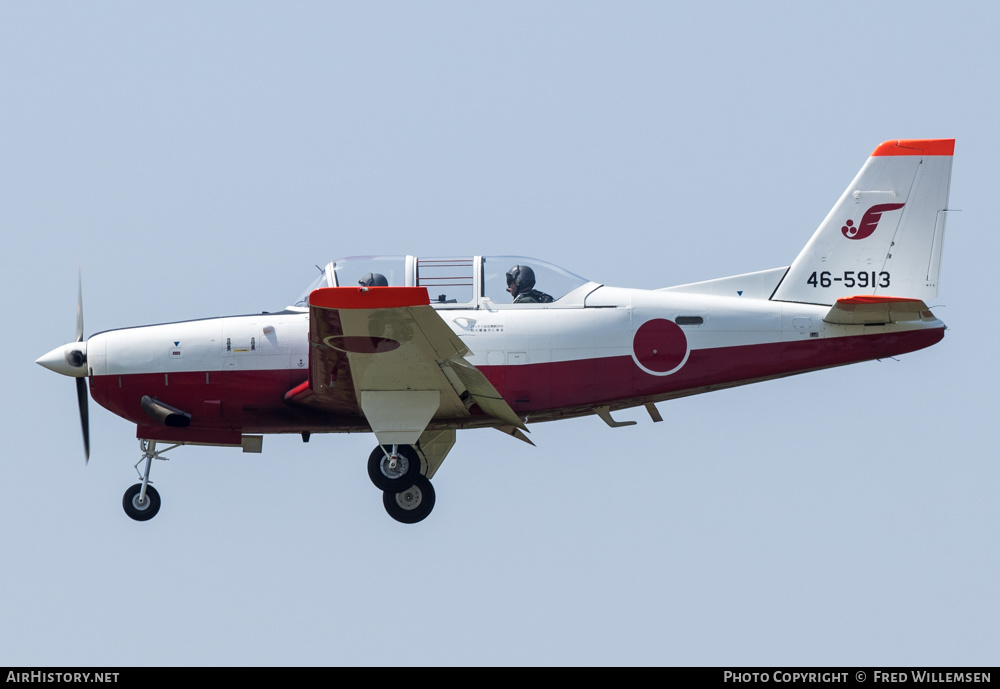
<point>529,388</point>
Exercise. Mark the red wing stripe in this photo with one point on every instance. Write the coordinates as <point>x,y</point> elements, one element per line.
<point>369,297</point>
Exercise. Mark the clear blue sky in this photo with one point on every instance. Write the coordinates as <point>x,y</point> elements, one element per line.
<point>197,159</point>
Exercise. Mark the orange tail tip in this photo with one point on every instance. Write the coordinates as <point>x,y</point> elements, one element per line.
<point>916,147</point>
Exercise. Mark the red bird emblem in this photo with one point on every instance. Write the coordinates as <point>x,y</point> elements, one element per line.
<point>869,221</point>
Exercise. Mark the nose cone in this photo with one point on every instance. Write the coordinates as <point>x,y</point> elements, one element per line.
<point>69,360</point>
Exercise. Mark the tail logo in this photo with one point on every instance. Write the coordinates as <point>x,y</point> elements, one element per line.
<point>869,221</point>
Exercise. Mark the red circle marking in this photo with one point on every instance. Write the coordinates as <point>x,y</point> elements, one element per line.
<point>659,345</point>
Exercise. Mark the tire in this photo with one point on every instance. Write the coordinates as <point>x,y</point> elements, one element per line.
<point>394,481</point>
<point>411,505</point>
<point>141,513</point>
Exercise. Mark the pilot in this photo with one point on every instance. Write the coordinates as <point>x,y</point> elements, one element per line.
<point>521,285</point>
<point>373,280</point>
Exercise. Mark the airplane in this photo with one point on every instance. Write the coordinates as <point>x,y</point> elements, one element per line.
<point>413,349</point>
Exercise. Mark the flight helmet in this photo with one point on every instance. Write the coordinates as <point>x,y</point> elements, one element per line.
<point>523,277</point>
<point>373,280</point>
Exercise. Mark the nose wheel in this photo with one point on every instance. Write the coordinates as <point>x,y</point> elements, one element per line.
<point>141,507</point>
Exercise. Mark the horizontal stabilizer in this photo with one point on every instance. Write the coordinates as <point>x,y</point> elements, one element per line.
<point>872,310</point>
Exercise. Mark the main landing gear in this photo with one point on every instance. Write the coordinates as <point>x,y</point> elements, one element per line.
<point>141,501</point>
<point>407,494</point>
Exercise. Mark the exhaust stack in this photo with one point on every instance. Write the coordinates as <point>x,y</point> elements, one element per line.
<point>165,414</point>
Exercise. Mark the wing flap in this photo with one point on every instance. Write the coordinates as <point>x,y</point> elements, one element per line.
<point>483,393</point>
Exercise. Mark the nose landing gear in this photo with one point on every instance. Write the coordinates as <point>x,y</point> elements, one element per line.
<point>141,501</point>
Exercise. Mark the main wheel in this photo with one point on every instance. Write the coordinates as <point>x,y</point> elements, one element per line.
<point>141,511</point>
<point>395,479</point>
<point>411,505</point>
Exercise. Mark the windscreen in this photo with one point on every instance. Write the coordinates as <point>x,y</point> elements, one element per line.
<point>350,272</point>
<point>303,300</point>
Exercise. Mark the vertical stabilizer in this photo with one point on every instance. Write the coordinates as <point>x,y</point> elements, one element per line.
<point>884,235</point>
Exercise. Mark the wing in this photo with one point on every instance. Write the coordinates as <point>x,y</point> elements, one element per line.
<point>383,353</point>
<point>869,310</point>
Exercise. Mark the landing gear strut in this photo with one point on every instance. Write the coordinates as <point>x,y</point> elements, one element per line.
<point>141,501</point>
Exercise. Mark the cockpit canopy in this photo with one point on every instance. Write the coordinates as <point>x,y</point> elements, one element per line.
<point>450,282</point>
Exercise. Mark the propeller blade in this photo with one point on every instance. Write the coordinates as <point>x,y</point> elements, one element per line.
<point>81,398</point>
<point>81,383</point>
